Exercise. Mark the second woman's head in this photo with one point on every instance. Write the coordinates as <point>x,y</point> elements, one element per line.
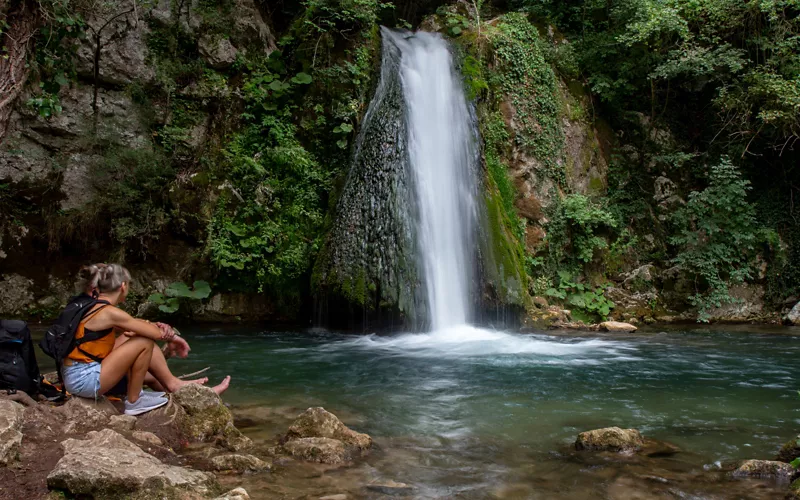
<point>111,280</point>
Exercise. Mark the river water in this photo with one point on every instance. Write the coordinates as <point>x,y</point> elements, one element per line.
<point>470,413</point>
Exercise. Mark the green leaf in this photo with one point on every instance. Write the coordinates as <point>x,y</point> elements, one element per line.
<point>795,463</point>
<point>342,143</point>
<point>302,79</point>
<point>201,290</point>
<point>178,289</point>
<point>346,127</point>
<point>170,307</point>
<point>455,30</point>
<point>156,298</point>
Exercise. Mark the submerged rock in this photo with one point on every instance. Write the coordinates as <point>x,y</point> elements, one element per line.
<point>316,422</point>
<point>617,326</point>
<point>391,488</point>
<point>318,449</point>
<point>610,439</point>
<point>765,469</point>
<point>239,463</point>
<point>793,317</point>
<point>11,414</point>
<point>205,418</point>
<point>107,464</point>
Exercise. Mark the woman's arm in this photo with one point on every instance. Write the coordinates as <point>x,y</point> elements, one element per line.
<point>138,327</point>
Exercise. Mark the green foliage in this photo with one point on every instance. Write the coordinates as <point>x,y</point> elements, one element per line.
<point>170,301</point>
<point>575,232</point>
<point>717,237</point>
<point>527,80</point>
<point>591,301</point>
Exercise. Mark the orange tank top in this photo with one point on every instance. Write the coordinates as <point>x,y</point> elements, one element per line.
<point>99,348</point>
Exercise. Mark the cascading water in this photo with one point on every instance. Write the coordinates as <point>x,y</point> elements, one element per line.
<point>442,156</point>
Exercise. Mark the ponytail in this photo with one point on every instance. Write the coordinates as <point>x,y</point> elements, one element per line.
<point>102,278</point>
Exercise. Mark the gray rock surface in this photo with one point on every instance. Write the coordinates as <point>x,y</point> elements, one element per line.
<point>610,439</point>
<point>11,416</point>
<point>82,414</point>
<point>793,317</point>
<point>219,53</point>
<point>147,437</point>
<point>239,463</point>
<point>105,463</point>
<point>122,423</point>
<point>391,488</point>
<point>16,294</point>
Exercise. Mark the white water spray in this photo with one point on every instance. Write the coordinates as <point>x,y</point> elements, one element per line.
<point>442,147</point>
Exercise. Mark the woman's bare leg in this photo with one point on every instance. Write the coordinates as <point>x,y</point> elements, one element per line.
<point>159,376</point>
<point>131,358</point>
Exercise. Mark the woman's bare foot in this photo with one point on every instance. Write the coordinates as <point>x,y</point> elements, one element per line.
<point>223,386</point>
<point>178,383</point>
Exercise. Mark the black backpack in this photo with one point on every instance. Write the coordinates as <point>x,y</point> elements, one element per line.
<point>60,339</point>
<point>18,368</point>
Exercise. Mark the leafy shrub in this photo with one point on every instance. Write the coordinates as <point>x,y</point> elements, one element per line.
<point>574,232</point>
<point>170,301</point>
<point>589,300</point>
<point>717,236</point>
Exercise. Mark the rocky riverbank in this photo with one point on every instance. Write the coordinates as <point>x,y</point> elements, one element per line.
<point>87,448</point>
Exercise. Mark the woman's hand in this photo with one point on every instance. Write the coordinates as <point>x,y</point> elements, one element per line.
<point>179,347</point>
<point>167,333</point>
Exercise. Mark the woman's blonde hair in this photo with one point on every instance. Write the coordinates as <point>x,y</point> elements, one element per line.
<point>102,278</point>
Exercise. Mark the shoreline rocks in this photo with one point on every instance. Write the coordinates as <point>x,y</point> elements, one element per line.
<point>105,463</point>
<point>11,415</point>
<point>204,418</point>
<point>617,326</point>
<point>765,469</point>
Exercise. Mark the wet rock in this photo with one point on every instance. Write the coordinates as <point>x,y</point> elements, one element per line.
<point>653,449</point>
<point>106,464</point>
<point>789,451</point>
<point>235,494</point>
<point>147,437</point>
<point>340,496</point>
<point>239,463</point>
<point>617,326</point>
<point>392,488</point>
<point>610,439</point>
<point>204,418</point>
<point>11,415</point>
<point>793,317</point>
<point>122,423</point>
<point>316,422</point>
<point>765,469</point>
<point>318,449</point>
<point>219,53</point>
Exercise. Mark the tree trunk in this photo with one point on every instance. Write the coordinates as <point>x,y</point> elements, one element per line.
<point>16,44</point>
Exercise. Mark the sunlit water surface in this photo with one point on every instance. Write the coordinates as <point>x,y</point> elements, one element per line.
<point>473,413</point>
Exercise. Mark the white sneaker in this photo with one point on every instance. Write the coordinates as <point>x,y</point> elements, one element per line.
<point>143,405</point>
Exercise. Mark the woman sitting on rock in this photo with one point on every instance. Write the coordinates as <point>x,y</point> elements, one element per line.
<point>96,367</point>
<point>159,377</point>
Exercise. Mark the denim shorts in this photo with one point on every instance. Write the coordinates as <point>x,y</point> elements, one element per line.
<point>82,379</point>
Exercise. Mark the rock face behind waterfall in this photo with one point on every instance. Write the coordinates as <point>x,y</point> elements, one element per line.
<point>369,258</point>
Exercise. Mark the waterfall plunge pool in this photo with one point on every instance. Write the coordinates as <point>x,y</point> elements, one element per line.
<point>471,413</point>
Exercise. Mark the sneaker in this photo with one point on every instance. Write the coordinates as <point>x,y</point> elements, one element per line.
<point>143,405</point>
<point>152,394</point>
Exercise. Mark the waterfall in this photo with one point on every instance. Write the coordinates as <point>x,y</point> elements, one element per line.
<point>442,158</point>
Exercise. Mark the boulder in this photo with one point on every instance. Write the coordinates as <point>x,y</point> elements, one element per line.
<point>106,464</point>
<point>82,414</point>
<point>235,494</point>
<point>11,414</point>
<point>318,449</point>
<point>789,451</point>
<point>610,439</point>
<point>204,418</point>
<point>16,294</point>
<point>316,422</point>
<point>617,326</point>
<point>219,53</point>
<point>793,317</point>
<point>239,463</point>
<point>765,469</point>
